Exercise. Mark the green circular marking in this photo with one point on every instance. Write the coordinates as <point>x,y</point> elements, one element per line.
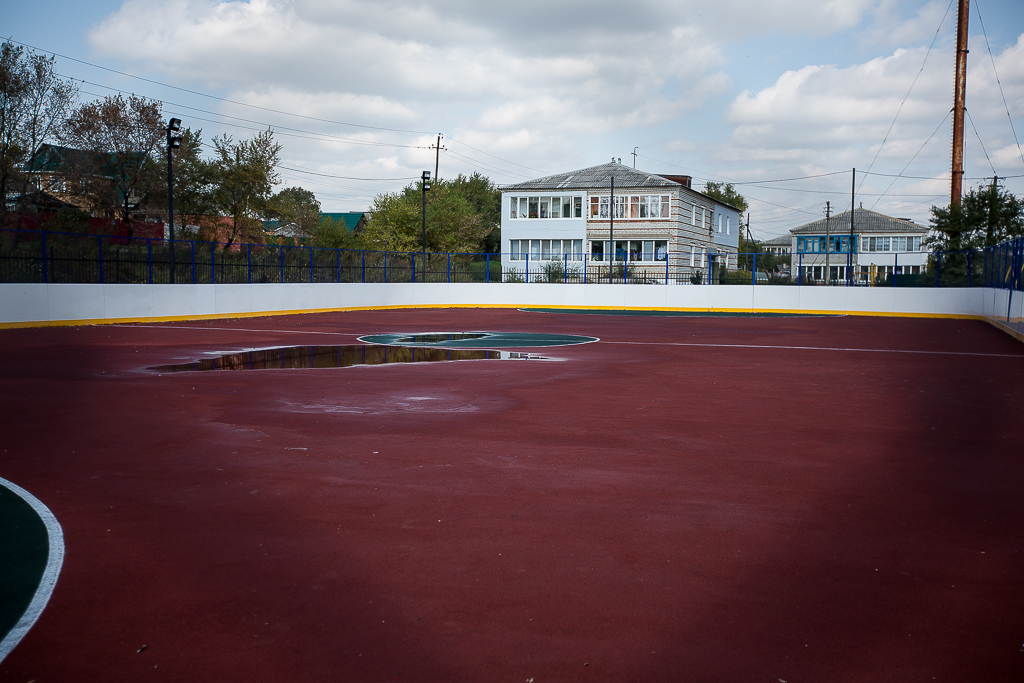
<point>24,549</point>
<point>476,340</point>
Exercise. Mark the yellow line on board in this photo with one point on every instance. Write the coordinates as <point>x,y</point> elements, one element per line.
<point>262,314</point>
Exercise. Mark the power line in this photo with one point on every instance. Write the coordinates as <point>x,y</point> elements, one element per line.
<point>980,141</point>
<point>898,110</point>
<point>262,123</point>
<point>912,159</point>
<point>993,59</point>
<point>222,99</point>
<point>344,177</point>
<point>485,165</point>
<point>451,139</point>
<point>783,180</point>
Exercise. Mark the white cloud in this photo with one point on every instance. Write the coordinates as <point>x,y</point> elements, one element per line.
<point>551,85</point>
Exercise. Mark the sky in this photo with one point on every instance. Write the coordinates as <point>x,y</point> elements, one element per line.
<point>742,91</point>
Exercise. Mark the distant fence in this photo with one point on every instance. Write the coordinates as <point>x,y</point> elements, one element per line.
<point>28,256</point>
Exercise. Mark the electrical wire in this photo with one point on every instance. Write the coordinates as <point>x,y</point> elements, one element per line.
<point>222,99</point>
<point>495,157</point>
<point>485,165</point>
<point>993,59</point>
<point>898,110</point>
<point>352,141</point>
<point>944,119</point>
<point>783,180</point>
<point>979,141</point>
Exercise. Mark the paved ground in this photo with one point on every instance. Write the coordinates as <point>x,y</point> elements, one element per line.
<point>690,499</point>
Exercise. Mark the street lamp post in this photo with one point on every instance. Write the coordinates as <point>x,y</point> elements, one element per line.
<point>426,187</point>
<point>173,142</point>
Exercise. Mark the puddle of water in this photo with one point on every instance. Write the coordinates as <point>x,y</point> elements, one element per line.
<point>296,357</point>
<point>479,340</point>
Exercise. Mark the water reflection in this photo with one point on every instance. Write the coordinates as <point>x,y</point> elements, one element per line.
<point>295,357</point>
<point>437,337</point>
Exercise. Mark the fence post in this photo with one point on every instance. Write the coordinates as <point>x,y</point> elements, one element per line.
<point>99,242</point>
<point>213,263</point>
<point>280,258</point>
<point>565,270</point>
<point>42,246</point>
<point>753,272</point>
<point>800,270</point>
<point>311,265</point>
<point>487,275</point>
<point>527,266</point>
<point>364,266</point>
<point>969,254</point>
<point>895,270</point>
<point>149,253</point>
<point>248,262</point>
<point>413,254</point>
<point>938,267</point>
<point>338,258</point>
<point>193,261</point>
<point>449,268</point>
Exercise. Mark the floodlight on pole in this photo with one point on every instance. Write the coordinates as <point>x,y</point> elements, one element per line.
<point>425,182</point>
<point>173,142</point>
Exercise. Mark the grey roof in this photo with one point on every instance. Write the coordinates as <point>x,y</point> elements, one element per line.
<point>864,221</point>
<point>780,241</point>
<point>593,178</point>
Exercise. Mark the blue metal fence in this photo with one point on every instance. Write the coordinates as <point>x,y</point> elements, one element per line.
<point>33,256</point>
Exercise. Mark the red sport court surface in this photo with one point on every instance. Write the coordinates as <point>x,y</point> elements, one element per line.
<point>688,499</point>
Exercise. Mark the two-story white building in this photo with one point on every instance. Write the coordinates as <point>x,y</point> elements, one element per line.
<point>663,228</point>
<point>881,246</point>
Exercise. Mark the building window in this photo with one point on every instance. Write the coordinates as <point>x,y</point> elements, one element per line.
<point>906,244</point>
<point>632,207</point>
<point>838,244</point>
<point>537,250</point>
<point>545,207</point>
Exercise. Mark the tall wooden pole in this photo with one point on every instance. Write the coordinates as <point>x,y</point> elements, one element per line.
<point>437,158</point>
<point>959,103</point>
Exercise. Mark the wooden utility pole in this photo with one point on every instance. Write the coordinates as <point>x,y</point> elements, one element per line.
<point>959,103</point>
<point>828,237</point>
<point>437,156</point>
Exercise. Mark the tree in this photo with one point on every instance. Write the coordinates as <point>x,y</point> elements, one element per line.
<point>247,173</point>
<point>453,225</point>
<point>121,138</point>
<point>726,193</point>
<point>485,198</point>
<point>985,216</point>
<point>34,105</point>
<point>334,234</point>
<point>296,207</point>
<point>13,84</point>
<point>195,181</point>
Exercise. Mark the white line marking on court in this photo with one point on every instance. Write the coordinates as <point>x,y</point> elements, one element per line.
<point>229,329</point>
<point>821,348</point>
<point>54,561</point>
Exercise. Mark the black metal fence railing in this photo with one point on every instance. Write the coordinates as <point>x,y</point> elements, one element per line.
<point>50,257</point>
